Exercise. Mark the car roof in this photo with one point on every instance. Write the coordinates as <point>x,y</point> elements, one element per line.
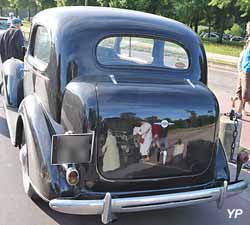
<point>76,31</point>
<point>3,18</point>
<point>104,17</point>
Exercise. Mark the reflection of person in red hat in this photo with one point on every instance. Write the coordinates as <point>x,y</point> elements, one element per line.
<point>156,134</point>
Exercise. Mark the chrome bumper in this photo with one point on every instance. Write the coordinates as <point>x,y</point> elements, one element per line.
<point>107,206</point>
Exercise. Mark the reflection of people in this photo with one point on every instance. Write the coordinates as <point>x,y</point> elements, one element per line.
<point>156,134</point>
<point>145,132</point>
<point>238,88</point>
<point>178,152</point>
<point>111,159</point>
<point>160,141</point>
<point>178,148</point>
<point>12,42</point>
<point>11,17</point>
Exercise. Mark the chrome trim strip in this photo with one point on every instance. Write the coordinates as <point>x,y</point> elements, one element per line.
<point>190,83</point>
<point>112,77</point>
<point>135,204</point>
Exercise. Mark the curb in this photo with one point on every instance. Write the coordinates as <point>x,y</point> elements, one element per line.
<point>225,67</point>
<point>222,62</point>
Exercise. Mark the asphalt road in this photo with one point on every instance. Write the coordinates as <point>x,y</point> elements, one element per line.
<point>17,209</point>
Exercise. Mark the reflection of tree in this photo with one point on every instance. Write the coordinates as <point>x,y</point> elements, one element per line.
<point>128,115</point>
<point>192,121</point>
<point>180,123</point>
<point>152,119</point>
<point>125,122</point>
<point>205,120</point>
<point>197,121</point>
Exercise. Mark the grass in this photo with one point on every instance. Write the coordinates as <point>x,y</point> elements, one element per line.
<point>226,48</point>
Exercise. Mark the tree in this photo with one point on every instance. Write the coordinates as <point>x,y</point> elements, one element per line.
<point>225,9</point>
<point>44,4</point>
<point>17,4</point>
<point>76,2</point>
<point>160,7</point>
<point>191,12</point>
<point>127,4</point>
<point>3,4</point>
<point>60,3</point>
<point>244,7</point>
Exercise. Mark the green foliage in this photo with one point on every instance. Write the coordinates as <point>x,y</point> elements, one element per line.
<point>216,15</point>
<point>75,2</point>
<point>43,4</point>
<point>235,30</point>
<point>60,3</point>
<point>4,3</point>
<point>221,4</point>
<point>244,7</point>
<point>22,3</point>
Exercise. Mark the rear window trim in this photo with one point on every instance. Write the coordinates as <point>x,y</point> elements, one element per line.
<point>142,67</point>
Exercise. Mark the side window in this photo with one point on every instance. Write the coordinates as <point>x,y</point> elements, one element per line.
<point>41,46</point>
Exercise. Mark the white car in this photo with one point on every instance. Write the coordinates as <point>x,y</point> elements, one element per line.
<point>212,36</point>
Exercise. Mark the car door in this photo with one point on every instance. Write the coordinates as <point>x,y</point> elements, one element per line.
<point>38,69</point>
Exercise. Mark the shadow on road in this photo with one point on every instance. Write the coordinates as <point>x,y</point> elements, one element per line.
<point>4,128</point>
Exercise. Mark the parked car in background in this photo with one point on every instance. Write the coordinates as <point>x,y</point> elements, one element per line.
<point>237,38</point>
<point>212,36</point>
<point>226,37</point>
<point>3,24</point>
<point>116,115</point>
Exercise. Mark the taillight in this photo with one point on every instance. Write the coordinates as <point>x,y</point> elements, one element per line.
<point>72,176</point>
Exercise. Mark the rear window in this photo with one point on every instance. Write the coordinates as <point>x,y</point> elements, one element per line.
<point>3,24</point>
<point>141,51</point>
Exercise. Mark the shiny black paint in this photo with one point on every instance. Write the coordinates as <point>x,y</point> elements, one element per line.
<point>64,97</point>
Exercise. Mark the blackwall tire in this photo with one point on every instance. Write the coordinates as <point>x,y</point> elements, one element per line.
<point>23,155</point>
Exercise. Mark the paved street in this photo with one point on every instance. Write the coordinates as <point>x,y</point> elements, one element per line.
<point>222,81</point>
<point>17,209</point>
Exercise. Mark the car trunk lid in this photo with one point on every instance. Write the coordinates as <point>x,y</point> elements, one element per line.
<point>155,130</point>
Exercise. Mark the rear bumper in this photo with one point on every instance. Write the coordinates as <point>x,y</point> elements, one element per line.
<point>107,206</point>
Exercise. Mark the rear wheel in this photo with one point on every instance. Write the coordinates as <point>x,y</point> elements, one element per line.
<point>23,155</point>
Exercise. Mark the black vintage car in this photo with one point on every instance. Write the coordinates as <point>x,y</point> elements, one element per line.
<point>116,115</point>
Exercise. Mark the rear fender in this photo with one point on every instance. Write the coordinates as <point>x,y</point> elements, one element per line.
<point>33,121</point>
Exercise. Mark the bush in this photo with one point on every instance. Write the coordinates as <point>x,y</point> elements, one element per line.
<point>235,30</point>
